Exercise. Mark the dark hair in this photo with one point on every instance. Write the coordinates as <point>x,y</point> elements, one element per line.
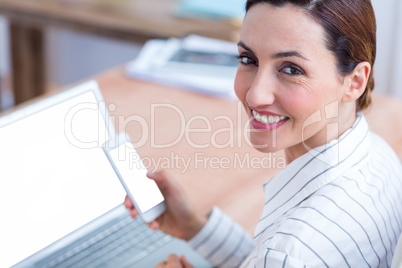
<point>350,29</point>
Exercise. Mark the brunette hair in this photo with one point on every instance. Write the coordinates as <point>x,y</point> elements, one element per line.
<point>350,29</point>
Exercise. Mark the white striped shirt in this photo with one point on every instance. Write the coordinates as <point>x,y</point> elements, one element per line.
<point>339,205</point>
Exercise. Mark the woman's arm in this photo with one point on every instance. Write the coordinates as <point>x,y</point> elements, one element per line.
<point>223,242</point>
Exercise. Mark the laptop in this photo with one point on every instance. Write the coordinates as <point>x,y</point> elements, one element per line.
<point>60,200</point>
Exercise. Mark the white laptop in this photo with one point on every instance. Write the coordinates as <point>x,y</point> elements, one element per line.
<point>60,200</point>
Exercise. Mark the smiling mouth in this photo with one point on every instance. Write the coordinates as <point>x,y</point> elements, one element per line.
<point>268,119</point>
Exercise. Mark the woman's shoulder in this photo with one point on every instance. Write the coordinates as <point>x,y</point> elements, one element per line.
<point>335,225</point>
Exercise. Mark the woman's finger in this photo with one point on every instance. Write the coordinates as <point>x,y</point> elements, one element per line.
<point>185,263</point>
<point>154,225</point>
<point>127,203</point>
<point>133,213</point>
<point>173,262</point>
<point>161,265</point>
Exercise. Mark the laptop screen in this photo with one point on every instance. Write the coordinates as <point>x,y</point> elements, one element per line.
<point>54,176</point>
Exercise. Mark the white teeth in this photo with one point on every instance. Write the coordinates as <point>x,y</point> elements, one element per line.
<point>258,117</point>
<point>255,113</point>
<point>264,119</point>
<point>268,119</point>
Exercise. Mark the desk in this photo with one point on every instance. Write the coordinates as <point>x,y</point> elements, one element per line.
<point>235,189</point>
<point>134,20</point>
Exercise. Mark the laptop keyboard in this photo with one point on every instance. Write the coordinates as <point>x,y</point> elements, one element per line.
<point>126,240</point>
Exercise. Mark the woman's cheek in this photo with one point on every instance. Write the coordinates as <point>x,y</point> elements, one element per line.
<point>241,85</point>
<point>302,99</point>
<point>296,104</point>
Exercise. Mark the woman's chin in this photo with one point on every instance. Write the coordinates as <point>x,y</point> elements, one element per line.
<point>264,147</point>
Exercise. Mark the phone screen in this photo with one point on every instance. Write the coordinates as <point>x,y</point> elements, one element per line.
<point>144,190</point>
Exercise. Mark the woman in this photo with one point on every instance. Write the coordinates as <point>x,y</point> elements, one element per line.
<point>305,74</point>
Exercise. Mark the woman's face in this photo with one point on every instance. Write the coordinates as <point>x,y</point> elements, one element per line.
<point>287,80</point>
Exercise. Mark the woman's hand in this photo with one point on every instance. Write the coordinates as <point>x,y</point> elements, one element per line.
<point>180,219</point>
<point>175,262</point>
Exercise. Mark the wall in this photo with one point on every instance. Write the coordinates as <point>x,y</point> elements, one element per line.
<point>387,69</point>
<point>6,99</point>
<point>74,56</point>
<point>3,46</point>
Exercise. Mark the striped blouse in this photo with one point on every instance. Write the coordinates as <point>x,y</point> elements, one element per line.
<point>339,205</point>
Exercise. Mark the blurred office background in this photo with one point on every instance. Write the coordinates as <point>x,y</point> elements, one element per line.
<point>72,56</point>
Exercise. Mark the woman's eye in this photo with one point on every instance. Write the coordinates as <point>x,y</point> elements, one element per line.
<point>292,71</point>
<point>247,61</point>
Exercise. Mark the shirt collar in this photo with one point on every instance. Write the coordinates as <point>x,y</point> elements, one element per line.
<point>316,168</point>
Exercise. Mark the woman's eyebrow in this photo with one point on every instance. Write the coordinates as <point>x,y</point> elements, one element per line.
<point>241,44</point>
<point>287,54</point>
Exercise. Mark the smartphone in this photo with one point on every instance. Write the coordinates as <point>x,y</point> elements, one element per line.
<point>129,168</point>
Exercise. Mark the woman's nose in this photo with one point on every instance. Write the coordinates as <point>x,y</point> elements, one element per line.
<point>262,91</point>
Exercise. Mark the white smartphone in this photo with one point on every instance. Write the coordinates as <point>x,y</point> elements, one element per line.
<point>127,163</point>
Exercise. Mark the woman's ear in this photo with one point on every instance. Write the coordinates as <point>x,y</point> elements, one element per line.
<point>357,82</point>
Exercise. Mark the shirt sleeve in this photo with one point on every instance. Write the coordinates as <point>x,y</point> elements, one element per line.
<point>276,259</point>
<point>223,242</point>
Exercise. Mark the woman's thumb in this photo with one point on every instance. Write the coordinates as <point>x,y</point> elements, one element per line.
<point>162,180</point>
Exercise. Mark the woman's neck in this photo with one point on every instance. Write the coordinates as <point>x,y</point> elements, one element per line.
<point>333,130</point>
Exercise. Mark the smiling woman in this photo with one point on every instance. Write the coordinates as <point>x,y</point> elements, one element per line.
<point>304,75</point>
<point>351,45</point>
<point>308,64</point>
